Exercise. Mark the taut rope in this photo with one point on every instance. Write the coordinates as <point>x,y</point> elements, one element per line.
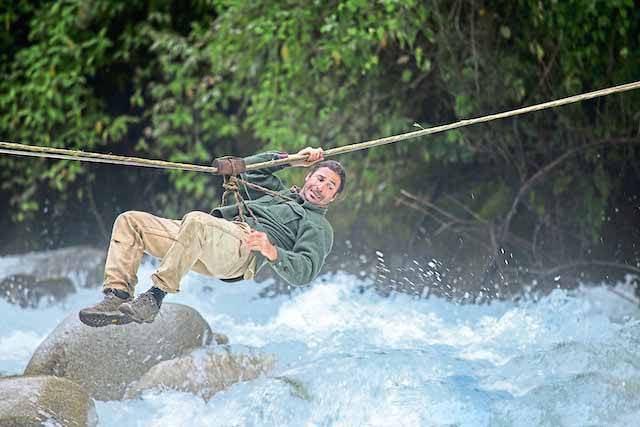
<point>59,153</point>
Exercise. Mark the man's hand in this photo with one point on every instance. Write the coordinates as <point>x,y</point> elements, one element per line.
<point>258,241</point>
<point>314,156</point>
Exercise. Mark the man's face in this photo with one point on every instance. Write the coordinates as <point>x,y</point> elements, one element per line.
<point>321,187</point>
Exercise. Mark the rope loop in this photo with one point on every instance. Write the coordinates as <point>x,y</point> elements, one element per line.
<point>230,185</point>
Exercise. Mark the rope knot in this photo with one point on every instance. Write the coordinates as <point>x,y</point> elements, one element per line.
<point>230,184</point>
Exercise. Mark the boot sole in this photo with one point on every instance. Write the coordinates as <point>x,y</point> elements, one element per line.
<point>128,311</point>
<point>100,319</point>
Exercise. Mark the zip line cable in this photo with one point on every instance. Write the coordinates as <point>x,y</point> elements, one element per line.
<point>84,156</point>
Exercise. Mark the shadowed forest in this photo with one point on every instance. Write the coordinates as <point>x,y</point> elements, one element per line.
<point>545,198</point>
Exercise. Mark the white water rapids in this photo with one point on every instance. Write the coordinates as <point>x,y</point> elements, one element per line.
<point>572,358</point>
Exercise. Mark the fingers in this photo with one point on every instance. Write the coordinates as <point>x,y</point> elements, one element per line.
<point>256,240</point>
<point>256,234</point>
<point>259,241</point>
<point>313,154</point>
<point>316,155</point>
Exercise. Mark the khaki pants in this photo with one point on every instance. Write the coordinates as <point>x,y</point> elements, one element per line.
<point>200,242</point>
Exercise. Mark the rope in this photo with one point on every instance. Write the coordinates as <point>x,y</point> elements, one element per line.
<point>230,185</point>
<point>59,153</point>
<point>85,156</point>
<point>455,125</point>
<point>264,190</point>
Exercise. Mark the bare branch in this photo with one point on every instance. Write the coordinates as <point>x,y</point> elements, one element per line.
<point>546,169</point>
<point>466,208</point>
<point>431,205</point>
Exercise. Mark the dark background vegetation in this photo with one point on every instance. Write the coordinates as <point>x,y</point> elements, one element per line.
<point>541,197</point>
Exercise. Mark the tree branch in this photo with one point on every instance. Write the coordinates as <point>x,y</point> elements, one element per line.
<point>546,169</point>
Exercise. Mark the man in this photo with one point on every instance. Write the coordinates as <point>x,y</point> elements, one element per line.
<point>291,234</point>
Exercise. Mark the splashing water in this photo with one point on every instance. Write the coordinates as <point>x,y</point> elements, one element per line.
<point>347,358</point>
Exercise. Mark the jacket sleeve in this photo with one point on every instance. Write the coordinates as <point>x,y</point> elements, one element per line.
<point>263,177</point>
<point>302,264</point>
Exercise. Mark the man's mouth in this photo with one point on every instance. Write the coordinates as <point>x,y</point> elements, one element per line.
<point>314,195</point>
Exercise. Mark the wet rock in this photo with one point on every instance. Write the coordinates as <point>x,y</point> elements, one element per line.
<point>106,360</point>
<point>26,290</point>
<point>298,389</point>
<point>220,338</point>
<point>83,265</point>
<point>44,400</point>
<point>205,371</point>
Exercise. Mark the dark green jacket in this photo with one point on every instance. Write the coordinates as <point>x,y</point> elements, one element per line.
<point>298,229</point>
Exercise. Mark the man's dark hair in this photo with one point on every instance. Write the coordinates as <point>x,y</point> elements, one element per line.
<point>334,166</point>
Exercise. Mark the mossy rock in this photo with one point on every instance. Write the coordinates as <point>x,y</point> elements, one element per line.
<point>44,400</point>
<point>106,360</point>
<point>206,371</point>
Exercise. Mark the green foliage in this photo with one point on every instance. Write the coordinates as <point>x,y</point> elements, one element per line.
<point>47,100</point>
<point>191,81</point>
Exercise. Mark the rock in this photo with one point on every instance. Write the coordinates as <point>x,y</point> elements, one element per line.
<point>298,389</point>
<point>220,339</point>
<point>83,265</point>
<point>105,360</point>
<point>205,371</point>
<point>44,400</point>
<point>27,291</point>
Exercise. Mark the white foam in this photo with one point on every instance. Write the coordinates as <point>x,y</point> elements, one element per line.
<point>361,359</point>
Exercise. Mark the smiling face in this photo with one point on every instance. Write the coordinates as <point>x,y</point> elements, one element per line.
<point>321,186</point>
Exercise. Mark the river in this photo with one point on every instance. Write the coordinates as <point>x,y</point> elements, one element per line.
<point>355,358</point>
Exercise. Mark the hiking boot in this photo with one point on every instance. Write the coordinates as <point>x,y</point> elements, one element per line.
<point>105,312</point>
<point>143,309</point>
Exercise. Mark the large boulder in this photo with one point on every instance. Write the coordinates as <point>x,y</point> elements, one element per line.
<point>26,290</point>
<point>83,265</point>
<point>205,371</point>
<point>44,400</point>
<point>105,360</point>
